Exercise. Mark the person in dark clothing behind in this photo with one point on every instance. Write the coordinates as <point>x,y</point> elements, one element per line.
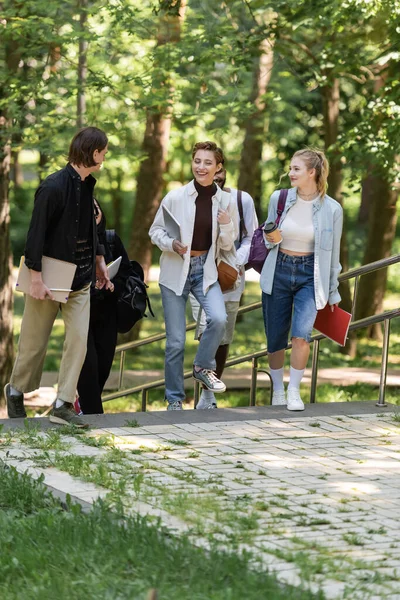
<point>102,335</point>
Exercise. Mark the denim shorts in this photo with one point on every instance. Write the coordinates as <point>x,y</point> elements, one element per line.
<point>291,303</point>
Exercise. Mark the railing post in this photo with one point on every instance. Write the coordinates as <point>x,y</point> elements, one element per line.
<point>196,393</point>
<point>145,394</point>
<point>314,372</point>
<point>355,295</point>
<point>385,354</point>
<point>121,369</point>
<point>253,384</point>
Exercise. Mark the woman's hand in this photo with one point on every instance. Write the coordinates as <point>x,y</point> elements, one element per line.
<point>102,278</point>
<point>270,237</point>
<point>223,217</point>
<point>179,248</point>
<point>333,306</point>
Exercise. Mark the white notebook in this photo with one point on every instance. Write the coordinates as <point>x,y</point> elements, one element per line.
<point>113,267</point>
<point>171,224</point>
<point>56,275</point>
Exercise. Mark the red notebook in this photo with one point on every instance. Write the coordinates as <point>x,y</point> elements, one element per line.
<point>334,325</point>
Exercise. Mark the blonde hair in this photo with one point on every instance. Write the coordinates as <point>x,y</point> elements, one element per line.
<point>316,159</point>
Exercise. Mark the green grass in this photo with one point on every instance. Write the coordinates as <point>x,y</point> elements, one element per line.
<point>52,553</point>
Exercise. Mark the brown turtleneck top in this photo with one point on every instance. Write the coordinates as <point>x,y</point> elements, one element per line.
<point>202,231</point>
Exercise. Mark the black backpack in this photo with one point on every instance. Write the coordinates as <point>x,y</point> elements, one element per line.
<point>133,301</point>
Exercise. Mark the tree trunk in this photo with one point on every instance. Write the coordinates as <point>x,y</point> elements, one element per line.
<point>250,160</point>
<point>116,198</point>
<point>150,185</point>
<point>82,66</point>
<point>366,198</point>
<point>155,145</point>
<point>331,99</point>
<point>12,58</point>
<point>17,172</point>
<point>6,288</point>
<point>368,184</point>
<point>381,233</point>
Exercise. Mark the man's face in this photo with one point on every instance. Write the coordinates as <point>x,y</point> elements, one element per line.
<point>99,157</point>
<point>220,178</point>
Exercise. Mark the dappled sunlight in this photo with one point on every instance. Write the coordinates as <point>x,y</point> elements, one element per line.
<point>355,487</point>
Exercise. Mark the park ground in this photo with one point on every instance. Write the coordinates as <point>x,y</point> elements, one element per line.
<point>234,503</point>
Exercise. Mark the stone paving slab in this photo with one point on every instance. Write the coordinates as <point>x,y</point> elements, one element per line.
<point>205,417</point>
<point>313,496</point>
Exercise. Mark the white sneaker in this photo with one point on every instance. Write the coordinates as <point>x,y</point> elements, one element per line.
<point>294,402</point>
<point>206,403</point>
<point>279,398</point>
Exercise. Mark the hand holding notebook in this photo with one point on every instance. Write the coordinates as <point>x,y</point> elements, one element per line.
<point>57,275</point>
<point>334,324</point>
<point>113,267</point>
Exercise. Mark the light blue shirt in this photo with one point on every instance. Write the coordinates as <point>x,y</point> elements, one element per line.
<point>328,224</point>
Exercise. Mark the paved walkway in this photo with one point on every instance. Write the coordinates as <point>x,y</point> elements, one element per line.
<point>314,496</point>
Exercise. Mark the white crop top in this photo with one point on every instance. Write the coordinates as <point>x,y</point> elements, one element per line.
<point>297,228</point>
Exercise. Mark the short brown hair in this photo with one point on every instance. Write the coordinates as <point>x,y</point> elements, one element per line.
<point>212,147</point>
<point>84,143</point>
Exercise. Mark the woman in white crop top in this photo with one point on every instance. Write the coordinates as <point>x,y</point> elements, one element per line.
<point>301,272</point>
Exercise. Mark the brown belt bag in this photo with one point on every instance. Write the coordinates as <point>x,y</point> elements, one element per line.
<point>227,276</point>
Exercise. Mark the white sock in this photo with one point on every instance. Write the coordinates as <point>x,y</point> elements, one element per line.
<point>208,395</point>
<point>59,403</point>
<point>277,379</point>
<point>296,375</point>
<point>14,391</point>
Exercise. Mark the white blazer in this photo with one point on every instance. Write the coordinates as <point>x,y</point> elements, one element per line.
<point>181,203</point>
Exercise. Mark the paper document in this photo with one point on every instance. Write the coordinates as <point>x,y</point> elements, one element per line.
<point>333,325</point>
<point>57,275</point>
<point>113,267</point>
<point>171,224</point>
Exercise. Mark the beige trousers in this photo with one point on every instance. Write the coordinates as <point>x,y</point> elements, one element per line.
<point>36,327</point>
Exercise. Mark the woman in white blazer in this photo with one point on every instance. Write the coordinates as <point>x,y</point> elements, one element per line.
<point>205,214</point>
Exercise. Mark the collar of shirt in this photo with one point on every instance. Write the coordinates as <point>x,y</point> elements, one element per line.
<point>89,180</point>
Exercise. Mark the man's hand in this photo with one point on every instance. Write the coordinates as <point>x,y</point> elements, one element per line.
<point>333,306</point>
<point>37,289</point>
<point>102,278</point>
<point>179,248</point>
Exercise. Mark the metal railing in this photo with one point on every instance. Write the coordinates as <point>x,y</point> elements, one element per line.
<point>384,317</point>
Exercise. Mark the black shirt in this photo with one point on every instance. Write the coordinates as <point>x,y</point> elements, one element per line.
<point>56,220</point>
<point>84,243</point>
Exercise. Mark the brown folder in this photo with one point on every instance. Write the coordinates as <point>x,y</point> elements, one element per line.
<point>56,275</point>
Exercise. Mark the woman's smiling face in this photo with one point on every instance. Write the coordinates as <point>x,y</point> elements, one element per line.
<point>299,175</point>
<point>204,167</point>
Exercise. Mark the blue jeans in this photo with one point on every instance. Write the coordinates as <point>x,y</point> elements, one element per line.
<point>291,303</point>
<point>175,326</point>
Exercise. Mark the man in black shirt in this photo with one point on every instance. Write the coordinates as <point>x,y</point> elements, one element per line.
<point>62,226</point>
